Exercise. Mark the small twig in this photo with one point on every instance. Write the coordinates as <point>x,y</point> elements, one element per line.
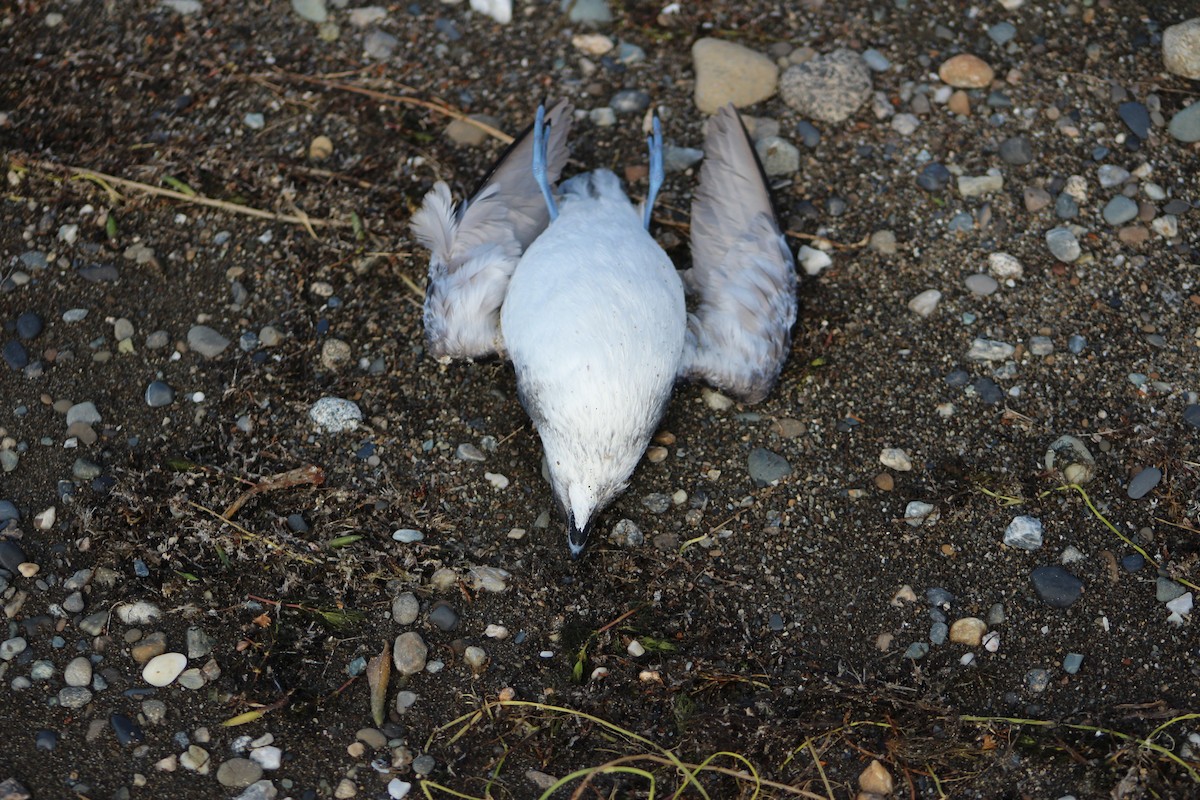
<point>200,200</point>
<point>440,108</point>
<point>301,476</point>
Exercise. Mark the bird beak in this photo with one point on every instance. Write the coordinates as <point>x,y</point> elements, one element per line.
<point>576,537</point>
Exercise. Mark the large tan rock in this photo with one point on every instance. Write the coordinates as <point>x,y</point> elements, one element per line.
<point>1181,49</point>
<point>727,72</point>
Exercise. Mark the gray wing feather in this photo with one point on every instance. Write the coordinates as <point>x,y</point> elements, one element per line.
<point>742,270</point>
<point>475,247</point>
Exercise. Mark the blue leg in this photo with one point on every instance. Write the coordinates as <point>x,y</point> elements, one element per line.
<point>655,144</point>
<point>539,161</point>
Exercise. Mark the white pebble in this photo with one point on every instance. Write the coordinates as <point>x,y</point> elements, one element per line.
<point>813,261</point>
<point>267,757</point>
<point>1024,533</point>
<point>497,480</point>
<point>496,632</point>
<point>917,514</point>
<point>334,414</point>
<point>635,648</point>
<point>923,304</point>
<point>163,669</point>
<point>895,458</point>
<point>715,400</point>
<point>1005,267</point>
<point>398,789</point>
<point>139,613</point>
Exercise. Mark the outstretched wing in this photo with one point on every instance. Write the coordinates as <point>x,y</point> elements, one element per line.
<point>742,270</point>
<point>475,247</point>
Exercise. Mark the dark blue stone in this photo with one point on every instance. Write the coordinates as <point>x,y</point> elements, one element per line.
<point>934,177</point>
<point>1055,586</point>
<point>297,523</point>
<point>809,135</point>
<point>366,451</point>
<point>14,354</point>
<point>11,555</point>
<point>1136,117</point>
<point>988,391</point>
<point>126,729</point>
<point>958,378</point>
<point>46,740</point>
<point>1133,562</point>
<point>29,325</point>
<point>1191,415</point>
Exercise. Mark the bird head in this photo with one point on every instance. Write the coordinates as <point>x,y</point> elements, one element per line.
<point>580,507</point>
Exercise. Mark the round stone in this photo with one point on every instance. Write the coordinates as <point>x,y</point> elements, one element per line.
<point>1016,150</point>
<point>968,631</point>
<point>409,653</point>
<point>828,88</point>
<point>159,394</point>
<point>163,669</point>
<point>1055,586</point>
<point>1144,482</point>
<point>965,71</point>
<point>78,672</point>
<point>239,772</point>
<point>1063,244</point>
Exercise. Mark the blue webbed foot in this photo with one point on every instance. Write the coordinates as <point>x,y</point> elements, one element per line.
<point>655,144</point>
<point>539,161</point>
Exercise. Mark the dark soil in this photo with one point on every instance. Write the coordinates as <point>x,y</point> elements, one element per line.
<point>132,90</point>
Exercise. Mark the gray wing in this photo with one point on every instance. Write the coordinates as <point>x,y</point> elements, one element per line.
<point>742,270</point>
<point>475,247</point>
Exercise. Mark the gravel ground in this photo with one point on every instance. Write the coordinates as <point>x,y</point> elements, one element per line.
<point>254,543</point>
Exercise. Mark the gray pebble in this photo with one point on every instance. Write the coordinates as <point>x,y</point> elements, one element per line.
<point>809,135</point>
<point>75,315</point>
<point>626,533</point>
<point>443,617</point>
<point>158,340</point>
<point>335,414</point>
<point>677,159</point>
<point>916,651</point>
<point>469,452</point>
<point>1063,244</point>
<point>238,772</point>
<point>1055,586</point>
<point>74,696</point>
<point>828,88</point>
<point>934,177</point>
<point>989,350</point>
<point>1166,590</point>
<point>875,60</point>
<point>311,10</point>
<point>29,325</point>
<point>159,394</point>
<point>1002,32</point>
<point>1110,175</point>
<point>1185,126</point>
<point>1076,343</point>
<point>1066,206</point>
<point>85,470</point>
<point>1144,482</point>
<point>122,329</point>
<point>1136,117</point>
<point>657,502</point>
<point>424,764</point>
<point>594,11</point>
<point>981,284</point>
<point>83,412</point>
<point>1041,345</point>
<point>379,45</point>
<point>767,468</point>
<point>11,648</point>
<point>778,156</point>
<point>1024,533</point>
<point>409,653</point>
<point>938,632</point>
<point>73,603</point>
<point>206,341</point>
<point>199,644</point>
<point>630,101</point>
<point>1038,680</point>
<point>1120,210</point>
<point>1071,663</point>
<point>34,259</point>
<point>126,730</point>
<point>603,117</point>
<point>406,608</point>
<point>1016,150</point>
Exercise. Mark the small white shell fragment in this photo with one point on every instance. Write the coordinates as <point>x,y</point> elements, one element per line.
<point>139,613</point>
<point>496,632</point>
<point>163,669</point>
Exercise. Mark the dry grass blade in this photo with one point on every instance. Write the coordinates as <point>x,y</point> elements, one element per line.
<point>100,179</point>
<point>379,672</point>
<point>375,94</point>
<point>301,476</point>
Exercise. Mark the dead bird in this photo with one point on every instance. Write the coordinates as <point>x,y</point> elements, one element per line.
<point>567,282</point>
